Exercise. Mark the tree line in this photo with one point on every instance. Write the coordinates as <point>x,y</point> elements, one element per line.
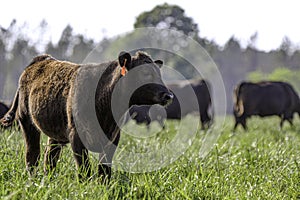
<point>234,62</point>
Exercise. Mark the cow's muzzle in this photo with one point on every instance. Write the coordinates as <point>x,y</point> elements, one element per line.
<point>166,98</point>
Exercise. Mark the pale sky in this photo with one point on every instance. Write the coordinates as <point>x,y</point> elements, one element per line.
<point>216,19</point>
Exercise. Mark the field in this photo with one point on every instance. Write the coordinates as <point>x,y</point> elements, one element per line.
<point>262,163</point>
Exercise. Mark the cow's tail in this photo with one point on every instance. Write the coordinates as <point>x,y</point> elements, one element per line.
<point>240,108</point>
<point>238,102</point>
<point>10,116</point>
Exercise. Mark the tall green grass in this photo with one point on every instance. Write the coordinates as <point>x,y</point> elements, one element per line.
<point>262,163</point>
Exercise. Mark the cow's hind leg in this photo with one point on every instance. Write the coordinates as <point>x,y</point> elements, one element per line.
<point>32,139</point>
<point>289,117</point>
<point>235,125</point>
<point>243,123</point>
<point>80,155</point>
<point>282,118</point>
<point>290,120</point>
<point>205,120</point>
<point>52,154</point>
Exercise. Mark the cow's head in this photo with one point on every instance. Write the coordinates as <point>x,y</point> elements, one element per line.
<point>146,75</point>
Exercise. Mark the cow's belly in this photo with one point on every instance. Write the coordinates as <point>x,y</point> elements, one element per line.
<point>269,111</point>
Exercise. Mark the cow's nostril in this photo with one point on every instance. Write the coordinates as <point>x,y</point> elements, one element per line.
<point>167,98</point>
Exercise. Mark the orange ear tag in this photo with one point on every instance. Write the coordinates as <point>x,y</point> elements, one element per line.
<point>124,70</point>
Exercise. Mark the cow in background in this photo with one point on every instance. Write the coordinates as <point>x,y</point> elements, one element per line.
<point>175,110</point>
<point>264,99</point>
<point>147,114</point>
<point>202,91</point>
<point>3,110</point>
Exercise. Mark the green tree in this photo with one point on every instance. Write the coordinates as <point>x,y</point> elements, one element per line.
<point>295,61</point>
<point>256,76</point>
<point>168,16</point>
<point>65,44</point>
<point>81,49</point>
<point>21,54</point>
<point>278,74</point>
<point>3,63</point>
<point>5,39</point>
<point>173,17</point>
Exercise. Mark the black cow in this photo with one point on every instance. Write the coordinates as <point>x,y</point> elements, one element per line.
<point>177,109</point>
<point>265,98</point>
<point>147,114</point>
<point>46,101</point>
<point>3,111</point>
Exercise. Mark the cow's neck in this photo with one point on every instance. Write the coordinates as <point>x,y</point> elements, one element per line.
<point>104,98</point>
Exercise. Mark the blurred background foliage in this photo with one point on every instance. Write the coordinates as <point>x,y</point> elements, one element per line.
<point>278,74</point>
<point>234,62</point>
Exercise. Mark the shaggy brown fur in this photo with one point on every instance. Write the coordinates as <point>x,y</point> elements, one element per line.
<point>44,99</point>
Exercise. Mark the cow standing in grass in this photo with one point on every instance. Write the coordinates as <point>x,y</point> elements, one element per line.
<point>147,114</point>
<point>265,99</point>
<point>45,96</point>
<point>176,110</point>
<point>202,89</point>
<point>3,110</point>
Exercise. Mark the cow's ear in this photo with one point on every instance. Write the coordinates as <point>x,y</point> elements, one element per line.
<point>125,60</point>
<point>159,63</point>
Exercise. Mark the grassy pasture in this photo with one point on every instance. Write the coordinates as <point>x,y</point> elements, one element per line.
<point>262,163</point>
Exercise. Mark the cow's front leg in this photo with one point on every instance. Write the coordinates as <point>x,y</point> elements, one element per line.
<point>80,155</point>
<point>106,157</point>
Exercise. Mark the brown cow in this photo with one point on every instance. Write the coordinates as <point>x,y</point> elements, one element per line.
<point>45,96</point>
